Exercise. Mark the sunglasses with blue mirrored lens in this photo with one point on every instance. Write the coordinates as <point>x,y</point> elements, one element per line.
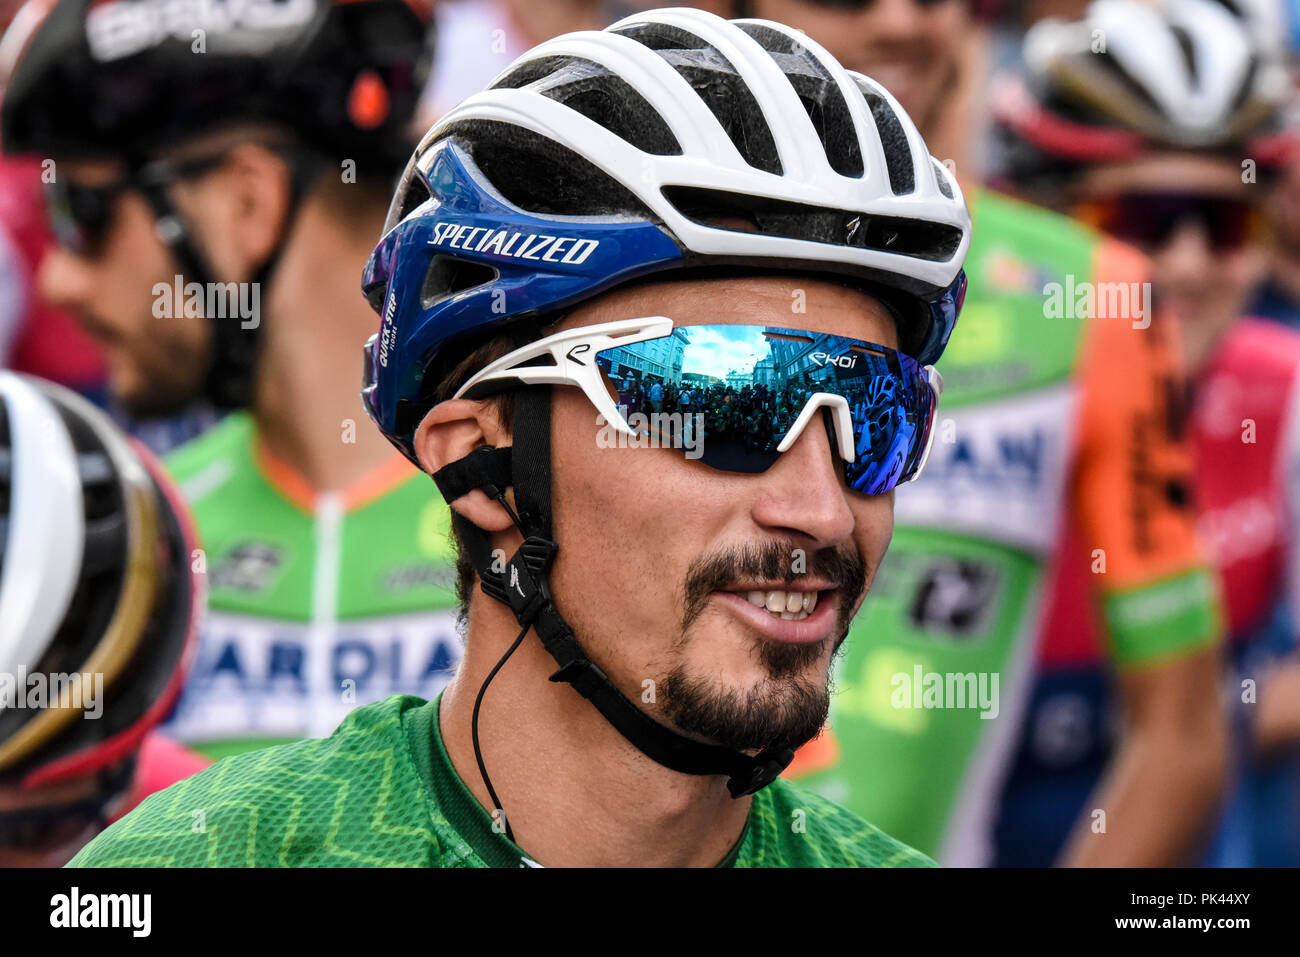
<point>737,396</point>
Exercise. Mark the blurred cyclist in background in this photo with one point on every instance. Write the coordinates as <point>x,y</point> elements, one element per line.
<point>35,337</point>
<point>221,176</point>
<point>1056,410</point>
<point>95,580</point>
<point>1170,141</point>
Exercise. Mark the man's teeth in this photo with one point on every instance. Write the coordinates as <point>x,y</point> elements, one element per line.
<point>790,605</point>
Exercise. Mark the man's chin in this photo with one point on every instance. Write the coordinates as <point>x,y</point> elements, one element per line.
<point>142,400</point>
<point>783,712</point>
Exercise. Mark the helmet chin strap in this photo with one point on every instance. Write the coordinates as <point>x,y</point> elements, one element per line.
<point>523,587</point>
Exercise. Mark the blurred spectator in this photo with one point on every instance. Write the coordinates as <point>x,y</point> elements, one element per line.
<point>34,337</point>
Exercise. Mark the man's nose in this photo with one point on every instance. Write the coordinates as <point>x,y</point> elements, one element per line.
<point>1187,256</point>
<point>894,21</point>
<point>804,493</point>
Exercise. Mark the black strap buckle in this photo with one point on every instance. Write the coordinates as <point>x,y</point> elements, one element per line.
<point>767,768</point>
<point>525,578</point>
<point>583,674</point>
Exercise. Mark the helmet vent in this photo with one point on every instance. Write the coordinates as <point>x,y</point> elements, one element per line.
<point>723,90</point>
<point>941,177</point>
<point>599,95</point>
<point>898,155</point>
<point>1187,49</point>
<point>820,95</point>
<point>1133,87</point>
<point>416,195</point>
<point>914,238</point>
<point>538,175</point>
<point>447,276</point>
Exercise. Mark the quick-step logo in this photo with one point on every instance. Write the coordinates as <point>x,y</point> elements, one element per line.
<point>538,247</point>
<point>389,332</point>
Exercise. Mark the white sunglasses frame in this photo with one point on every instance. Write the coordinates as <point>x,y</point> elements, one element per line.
<point>568,349</point>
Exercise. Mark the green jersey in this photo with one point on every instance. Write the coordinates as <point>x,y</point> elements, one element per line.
<point>382,792</point>
<point>316,602</point>
<point>1056,412</point>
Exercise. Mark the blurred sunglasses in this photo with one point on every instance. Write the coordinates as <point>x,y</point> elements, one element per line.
<point>82,216</point>
<point>737,396</point>
<point>1148,220</point>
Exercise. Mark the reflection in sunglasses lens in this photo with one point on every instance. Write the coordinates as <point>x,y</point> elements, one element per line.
<point>746,387</point>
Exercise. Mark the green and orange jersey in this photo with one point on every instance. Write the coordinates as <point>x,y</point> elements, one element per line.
<point>318,603</point>
<point>1062,398</point>
<point>381,791</point>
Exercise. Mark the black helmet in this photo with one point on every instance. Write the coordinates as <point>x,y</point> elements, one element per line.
<point>123,77</point>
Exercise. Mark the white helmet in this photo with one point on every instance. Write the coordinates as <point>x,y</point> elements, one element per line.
<point>1184,74</point>
<point>661,133</point>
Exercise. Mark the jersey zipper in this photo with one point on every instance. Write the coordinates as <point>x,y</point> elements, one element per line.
<point>325,597</point>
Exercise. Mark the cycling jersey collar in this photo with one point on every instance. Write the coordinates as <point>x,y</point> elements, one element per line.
<point>454,801</point>
<point>294,487</point>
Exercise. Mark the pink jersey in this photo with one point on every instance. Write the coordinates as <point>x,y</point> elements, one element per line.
<point>1246,422</point>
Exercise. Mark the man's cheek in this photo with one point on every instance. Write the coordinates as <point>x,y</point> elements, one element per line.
<point>875,523</point>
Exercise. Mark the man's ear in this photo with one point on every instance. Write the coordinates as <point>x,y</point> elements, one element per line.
<point>247,208</point>
<point>451,431</point>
